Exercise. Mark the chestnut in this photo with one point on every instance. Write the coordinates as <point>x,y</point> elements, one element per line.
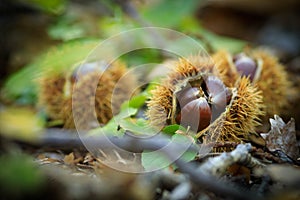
<point>216,91</point>
<point>196,114</point>
<point>187,95</point>
<point>245,65</point>
<point>70,93</point>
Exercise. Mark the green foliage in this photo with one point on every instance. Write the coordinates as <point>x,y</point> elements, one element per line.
<point>180,15</point>
<point>22,86</point>
<point>187,140</point>
<point>138,126</point>
<point>142,56</point>
<point>169,13</point>
<point>113,126</point>
<point>66,28</point>
<point>192,27</point>
<point>19,175</point>
<point>221,42</point>
<point>110,26</point>
<point>171,129</point>
<point>53,6</point>
<point>152,160</point>
<point>139,100</point>
<point>125,120</point>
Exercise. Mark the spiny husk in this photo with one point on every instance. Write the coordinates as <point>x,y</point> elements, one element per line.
<point>64,104</point>
<point>160,103</point>
<point>51,94</point>
<point>188,68</point>
<point>224,68</point>
<point>273,82</point>
<point>240,118</point>
<point>271,78</point>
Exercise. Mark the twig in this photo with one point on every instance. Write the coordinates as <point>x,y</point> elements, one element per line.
<point>217,166</point>
<point>182,191</point>
<point>206,182</point>
<point>201,179</point>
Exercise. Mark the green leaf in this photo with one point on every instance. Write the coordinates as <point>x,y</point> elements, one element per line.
<point>124,121</point>
<point>65,30</point>
<point>156,160</point>
<point>115,25</point>
<point>138,126</point>
<point>153,160</point>
<point>53,6</point>
<point>183,139</point>
<point>191,26</point>
<point>218,42</point>
<point>168,13</point>
<point>112,127</point>
<point>139,100</point>
<point>18,174</point>
<point>171,129</point>
<point>125,112</point>
<point>142,56</point>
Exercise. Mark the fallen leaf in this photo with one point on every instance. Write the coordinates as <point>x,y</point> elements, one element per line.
<point>282,137</point>
<point>20,123</point>
<point>88,158</point>
<point>70,159</point>
<point>239,170</point>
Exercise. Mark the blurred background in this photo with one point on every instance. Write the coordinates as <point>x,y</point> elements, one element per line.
<point>35,32</point>
<point>30,27</point>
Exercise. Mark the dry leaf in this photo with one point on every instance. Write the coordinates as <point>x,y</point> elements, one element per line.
<point>88,158</point>
<point>20,123</point>
<point>282,137</point>
<point>70,159</point>
<point>239,170</point>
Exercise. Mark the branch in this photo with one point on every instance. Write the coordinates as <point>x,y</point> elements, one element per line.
<point>201,179</point>
<point>217,166</point>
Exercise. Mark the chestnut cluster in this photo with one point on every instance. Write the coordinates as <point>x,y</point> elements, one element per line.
<point>197,104</point>
<point>263,70</point>
<point>85,92</point>
<point>221,99</point>
<point>196,95</point>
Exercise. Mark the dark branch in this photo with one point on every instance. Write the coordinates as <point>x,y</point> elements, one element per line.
<point>69,140</point>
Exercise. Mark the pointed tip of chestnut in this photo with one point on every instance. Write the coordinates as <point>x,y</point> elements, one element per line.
<point>214,85</point>
<point>217,91</point>
<point>245,65</point>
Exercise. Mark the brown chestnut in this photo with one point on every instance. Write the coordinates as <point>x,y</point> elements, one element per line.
<point>245,65</point>
<point>216,91</point>
<point>187,95</point>
<point>196,115</point>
